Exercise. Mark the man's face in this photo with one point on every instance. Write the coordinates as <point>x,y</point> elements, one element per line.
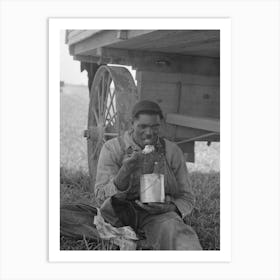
<point>146,129</point>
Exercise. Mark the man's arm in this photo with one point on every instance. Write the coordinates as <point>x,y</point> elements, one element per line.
<point>113,177</point>
<point>107,169</point>
<point>183,199</point>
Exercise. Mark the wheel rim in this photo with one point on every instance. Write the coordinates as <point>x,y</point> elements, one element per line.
<point>112,96</point>
<point>103,117</point>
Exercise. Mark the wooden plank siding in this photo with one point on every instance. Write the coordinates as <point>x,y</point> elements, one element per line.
<point>130,46</point>
<point>75,36</point>
<point>183,42</point>
<point>195,96</point>
<point>95,39</point>
<point>190,78</point>
<point>200,101</point>
<point>194,122</point>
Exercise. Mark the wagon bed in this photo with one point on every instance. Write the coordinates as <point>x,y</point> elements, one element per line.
<point>179,69</point>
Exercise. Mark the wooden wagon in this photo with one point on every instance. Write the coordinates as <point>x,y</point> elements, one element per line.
<point>179,69</point>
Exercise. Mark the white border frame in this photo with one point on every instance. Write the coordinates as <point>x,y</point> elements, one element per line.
<point>55,26</point>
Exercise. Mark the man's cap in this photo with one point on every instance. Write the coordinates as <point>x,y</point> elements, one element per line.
<point>146,106</point>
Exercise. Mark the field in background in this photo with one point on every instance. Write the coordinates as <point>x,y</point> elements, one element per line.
<point>204,173</point>
<point>74,102</point>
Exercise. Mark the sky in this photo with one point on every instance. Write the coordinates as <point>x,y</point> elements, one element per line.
<point>70,69</point>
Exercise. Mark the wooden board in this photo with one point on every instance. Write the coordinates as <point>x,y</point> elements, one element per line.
<point>184,133</point>
<point>186,94</point>
<point>103,38</point>
<point>75,36</point>
<point>194,122</point>
<point>185,78</point>
<point>175,41</point>
<point>200,101</point>
<point>154,61</point>
<point>172,90</point>
<point>182,42</point>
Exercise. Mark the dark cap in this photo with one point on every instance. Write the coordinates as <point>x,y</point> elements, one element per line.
<point>146,106</point>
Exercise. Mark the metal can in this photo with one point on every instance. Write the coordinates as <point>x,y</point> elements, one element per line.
<point>152,188</point>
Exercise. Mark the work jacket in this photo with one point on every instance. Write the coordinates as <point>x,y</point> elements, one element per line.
<point>177,184</point>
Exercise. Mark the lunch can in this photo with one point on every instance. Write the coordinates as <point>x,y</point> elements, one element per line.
<point>152,188</point>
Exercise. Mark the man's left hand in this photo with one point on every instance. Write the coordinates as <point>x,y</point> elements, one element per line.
<point>155,208</point>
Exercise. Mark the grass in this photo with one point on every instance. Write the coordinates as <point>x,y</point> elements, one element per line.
<point>74,178</point>
<point>205,218</point>
<point>73,121</point>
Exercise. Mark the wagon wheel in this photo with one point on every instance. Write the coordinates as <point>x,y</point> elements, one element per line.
<point>113,94</point>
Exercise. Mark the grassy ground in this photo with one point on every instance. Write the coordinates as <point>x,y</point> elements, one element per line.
<point>74,179</point>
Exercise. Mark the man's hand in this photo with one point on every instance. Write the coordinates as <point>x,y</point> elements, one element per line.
<point>130,164</point>
<point>155,208</point>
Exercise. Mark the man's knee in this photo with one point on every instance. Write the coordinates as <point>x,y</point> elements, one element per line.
<point>169,224</point>
<point>169,232</point>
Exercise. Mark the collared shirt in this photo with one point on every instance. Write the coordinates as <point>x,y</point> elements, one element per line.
<point>110,161</point>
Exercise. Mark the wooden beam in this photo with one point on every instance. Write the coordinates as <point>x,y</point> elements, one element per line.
<point>75,36</point>
<point>122,34</point>
<point>189,79</point>
<point>202,136</point>
<point>194,122</point>
<point>187,42</point>
<point>154,61</point>
<point>161,62</point>
<point>85,58</point>
<point>102,38</point>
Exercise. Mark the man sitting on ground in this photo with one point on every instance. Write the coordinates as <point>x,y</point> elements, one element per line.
<point>117,189</point>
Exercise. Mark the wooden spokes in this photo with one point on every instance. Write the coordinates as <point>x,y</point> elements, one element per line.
<point>113,94</point>
<point>105,112</point>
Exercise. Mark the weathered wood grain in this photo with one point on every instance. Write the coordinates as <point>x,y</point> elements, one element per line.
<point>194,122</point>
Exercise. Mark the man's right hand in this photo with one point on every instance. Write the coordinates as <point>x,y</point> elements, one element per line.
<point>133,161</point>
<point>130,164</point>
